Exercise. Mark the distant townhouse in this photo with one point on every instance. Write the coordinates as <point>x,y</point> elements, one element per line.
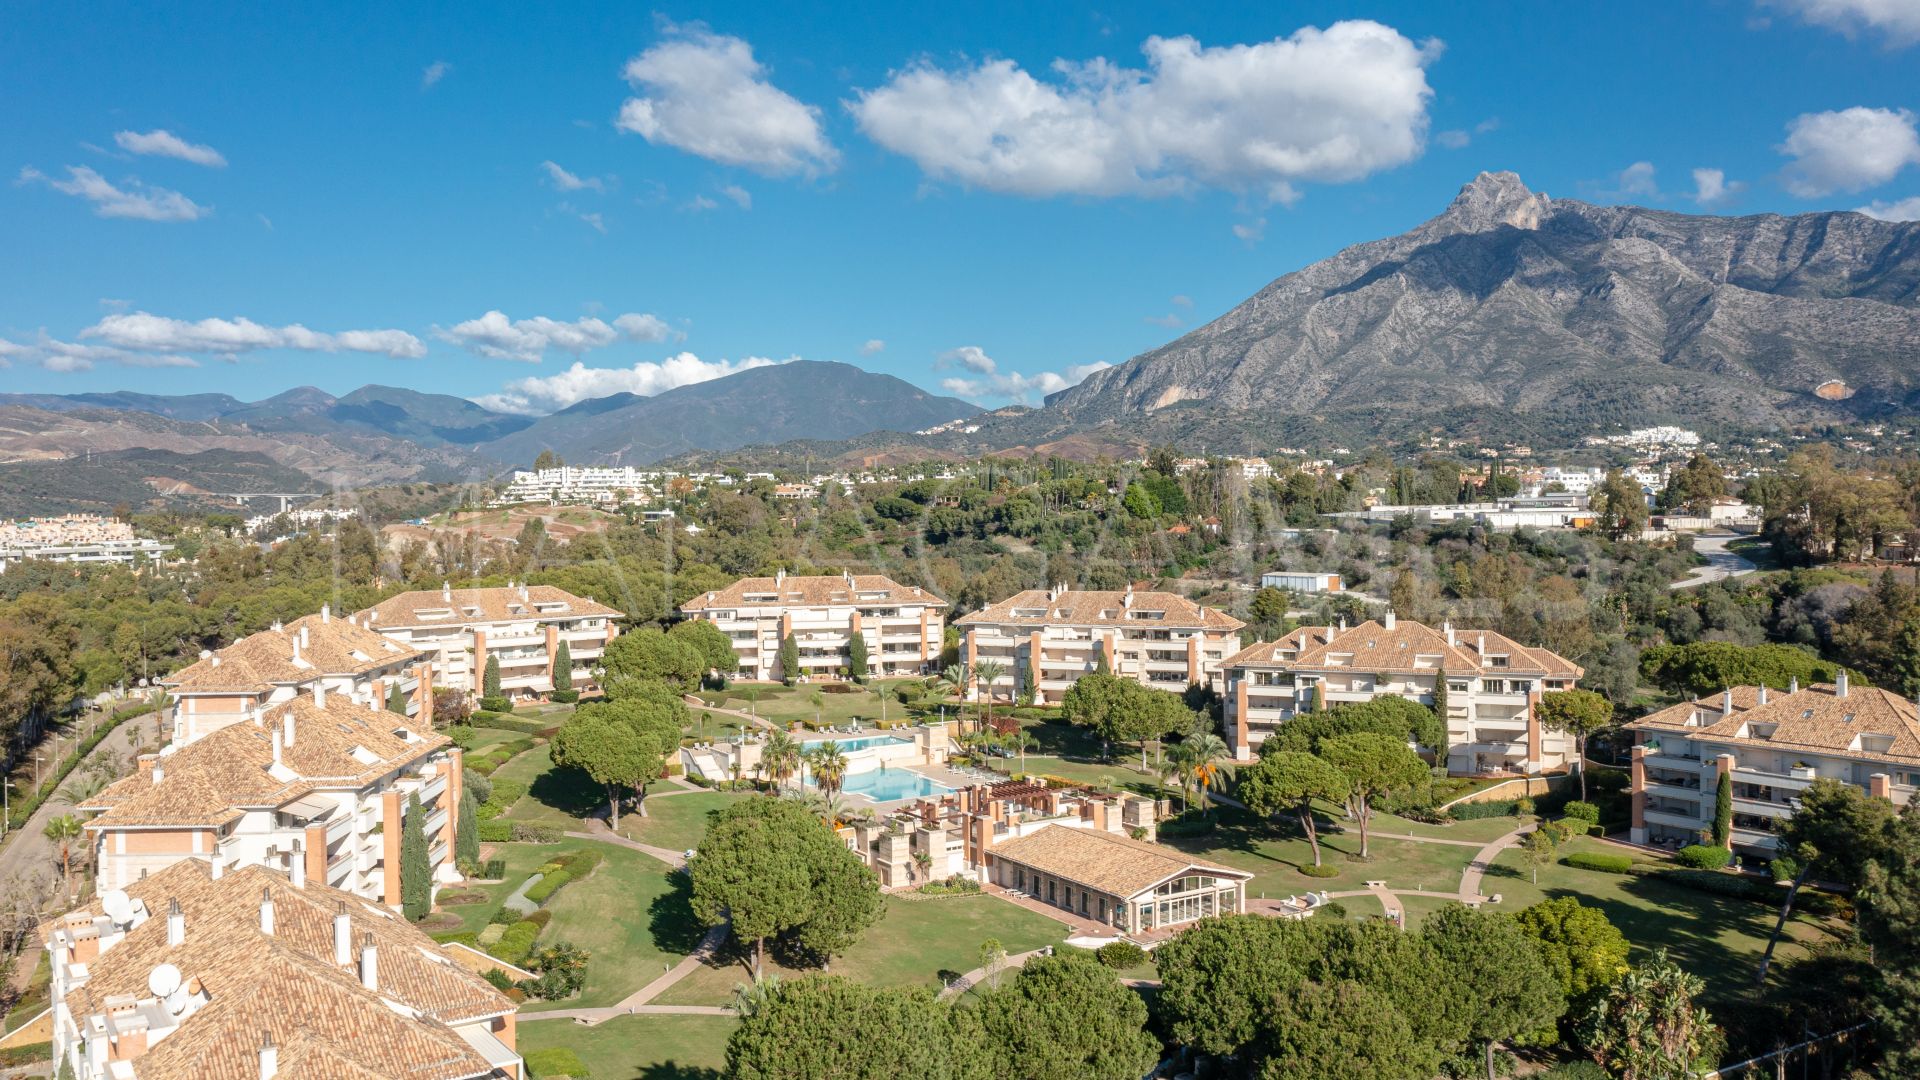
<point>903,625</point>
<point>586,485</point>
<point>795,491</point>
<point>1300,581</point>
<point>1774,743</point>
<point>247,975</point>
<point>1045,639</point>
<point>75,538</point>
<point>350,661</point>
<point>1493,688</point>
<point>1252,468</point>
<point>313,787</point>
<point>523,625</point>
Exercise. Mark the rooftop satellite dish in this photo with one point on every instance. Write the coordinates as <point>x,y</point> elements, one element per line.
<point>118,906</point>
<point>164,980</point>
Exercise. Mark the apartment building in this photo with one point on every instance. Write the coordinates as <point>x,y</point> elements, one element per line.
<point>247,975</point>
<point>1045,639</point>
<point>1493,688</point>
<point>313,787</point>
<point>352,663</point>
<point>523,625</point>
<point>585,485</point>
<point>1301,581</point>
<point>1774,743</point>
<point>903,624</point>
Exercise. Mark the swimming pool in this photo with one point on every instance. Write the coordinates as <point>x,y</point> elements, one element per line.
<point>848,746</point>
<point>886,785</point>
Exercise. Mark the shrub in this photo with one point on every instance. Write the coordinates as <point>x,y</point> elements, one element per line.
<point>514,723</point>
<point>1332,909</point>
<point>28,1054</point>
<point>550,884</point>
<point>500,979</point>
<point>462,937</point>
<point>461,734</point>
<point>1474,811</point>
<point>1575,1070</point>
<point>562,968</point>
<point>493,869</point>
<point>1703,856</point>
<point>1784,868</point>
<point>506,916</point>
<point>565,697</point>
<point>1121,955</point>
<point>1585,811</point>
<point>1605,864</point>
<point>491,933</point>
<point>535,834</point>
<point>956,885</point>
<point>496,704</point>
<point>1523,806</point>
<point>481,787</point>
<point>483,718</point>
<point>1313,871</point>
<point>496,832</point>
<point>539,918</point>
<point>1191,823</point>
<point>556,1061</point>
<point>517,942</point>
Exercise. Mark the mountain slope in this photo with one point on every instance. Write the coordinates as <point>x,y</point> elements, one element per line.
<point>1517,304</point>
<point>802,399</point>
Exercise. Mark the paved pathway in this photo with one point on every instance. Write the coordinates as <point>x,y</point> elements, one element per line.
<point>972,978</point>
<point>1476,870</point>
<point>638,1002</point>
<point>1722,562</point>
<point>597,830</point>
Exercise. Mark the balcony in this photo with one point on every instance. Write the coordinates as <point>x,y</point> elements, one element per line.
<point>1766,808</point>
<point>1779,781</point>
<point>339,828</point>
<point>1678,821</point>
<point>431,790</point>
<point>1753,838</point>
<point>435,822</point>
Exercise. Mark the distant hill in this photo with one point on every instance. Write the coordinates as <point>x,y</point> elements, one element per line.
<point>142,479</point>
<point>1558,312</point>
<point>802,399</point>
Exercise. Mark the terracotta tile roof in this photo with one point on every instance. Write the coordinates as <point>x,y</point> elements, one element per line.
<point>257,662</point>
<point>1868,723</point>
<point>340,745</point>
<point>812,590</point>
<point>1074,607</point>
<point>1108,862</point>
<point>287,984</point>
<point>1373,647</point>
<point>467,606</point>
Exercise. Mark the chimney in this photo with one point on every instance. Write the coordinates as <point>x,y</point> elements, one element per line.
<point>276,746</point>
<point>214,660</point>
<point>1390,616</point>
<point>446,592</point>
<point>258,713</point>
<point>1483,643</point>
<point>269,1056</point>
<point>304,640</point>
<point>176,923</point>
<point>369,963</point>
<point>319,702</point>
<point>342,935</point>
<point>1726,702</point>
<point>296,652</point>
<point>1448,627</point>
<point>219,868</point>
<point>266,911</point>
<point>1840,684</point>
<point>1763,693</point>
<point>286,739</point>
<point>326,613</point>
<point>1793,684</point>
<point>297,867</point>
<point>159,770</point>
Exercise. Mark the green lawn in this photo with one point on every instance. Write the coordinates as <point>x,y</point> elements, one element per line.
<point>1274,854</point>
<point>914,944</point>
<point>1718,938</point>
<point>791,704</point>
<point>521,860</point>
<point>558,797</point>
<point>640,1047</point>
<point>632,916</point>
<point>678,822</point>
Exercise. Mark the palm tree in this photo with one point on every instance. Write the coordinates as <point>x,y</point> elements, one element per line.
<point>63,831</point>
<point>750,997</point>
<point>1207,760</point>
<point>780,757</point>
<point>829,767</point>
<point>925,863</point>
<point>988,672</point>
<point>1172,767</point>
<point>1019,739</point>
<point>826,805</point>
<point>953,679</point>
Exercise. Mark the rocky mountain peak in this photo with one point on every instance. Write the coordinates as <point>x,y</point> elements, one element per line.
<point>1493,199</point>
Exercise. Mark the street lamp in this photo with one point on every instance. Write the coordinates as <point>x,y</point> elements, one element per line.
<point>36,769</point>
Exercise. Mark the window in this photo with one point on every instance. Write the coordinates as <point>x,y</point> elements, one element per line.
<point>1050,898</point>
<point>1020,879</point>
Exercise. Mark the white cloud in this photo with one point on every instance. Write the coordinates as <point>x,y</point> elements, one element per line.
<point>1638,179</point>
<point>1182,300</point>
<point>705,93</point>
<point>566,181</point>
<point>741,196</point>
<point>1488,126</point>
<point>145,332</point>
<point>700,204</point>
<point>163,143</point>
<point>989,381</point>
<point>136,200</point>
<point>1452,139</point>
<point>1907,209</point>
<point>1848,150</point>
<point>591,217</point>
<point>1899,20</point>
<point>497,336</point>
<point>1327,106</point>
<point>873,347</point>
<point>551,393</point>
<point>434,72</point>
<point>68,356</point>
<point>1712,188</point>
<point>1169,320</point>
<point>1251,232</point>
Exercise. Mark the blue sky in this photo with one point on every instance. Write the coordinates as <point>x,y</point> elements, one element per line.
<point>990,197</point>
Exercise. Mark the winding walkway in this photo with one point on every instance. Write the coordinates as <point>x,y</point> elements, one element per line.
<point>637,1003</point>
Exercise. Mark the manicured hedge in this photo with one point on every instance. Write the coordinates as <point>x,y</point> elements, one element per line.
<point>1585,811</point>
<point>521,724</point>
<point>517,942</point>
<point>1121,955</point>
<point>556,1061</point>
<point>1320,871</point>
<point>1474,811</point>
<point>462,937</point>
<point>505,793</point>
<point>494,869</point>
<point>496,832</point>
<point>548,885</point>
<point>1606,864</point>
<point>535,834</point>
<point>1703,857</point>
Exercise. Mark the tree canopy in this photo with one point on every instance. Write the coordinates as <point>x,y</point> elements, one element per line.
<point>1288,781</point>
<point>1066,1017</point>
<point>1375,767</point>
<point>711,642</point>
<point>650,655</point>
<point>1122,710</point>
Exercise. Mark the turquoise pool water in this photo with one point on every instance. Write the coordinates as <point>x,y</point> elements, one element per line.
<point>848,746</point>
<point>886,785</point>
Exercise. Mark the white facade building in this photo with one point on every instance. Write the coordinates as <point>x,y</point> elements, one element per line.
<point>903,625</point>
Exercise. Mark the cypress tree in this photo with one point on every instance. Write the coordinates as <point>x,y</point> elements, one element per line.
<point>416,884</point>
<point>466,833</point>
<point>563,668</point>
<point>857,656</point>
<point>396,701</point>
<point>1440,695</point>
<point>789,659</point>
<point>490,679</point>
<point>1723,811</point>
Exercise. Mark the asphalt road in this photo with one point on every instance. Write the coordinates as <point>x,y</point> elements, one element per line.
<point>1722,562</point>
